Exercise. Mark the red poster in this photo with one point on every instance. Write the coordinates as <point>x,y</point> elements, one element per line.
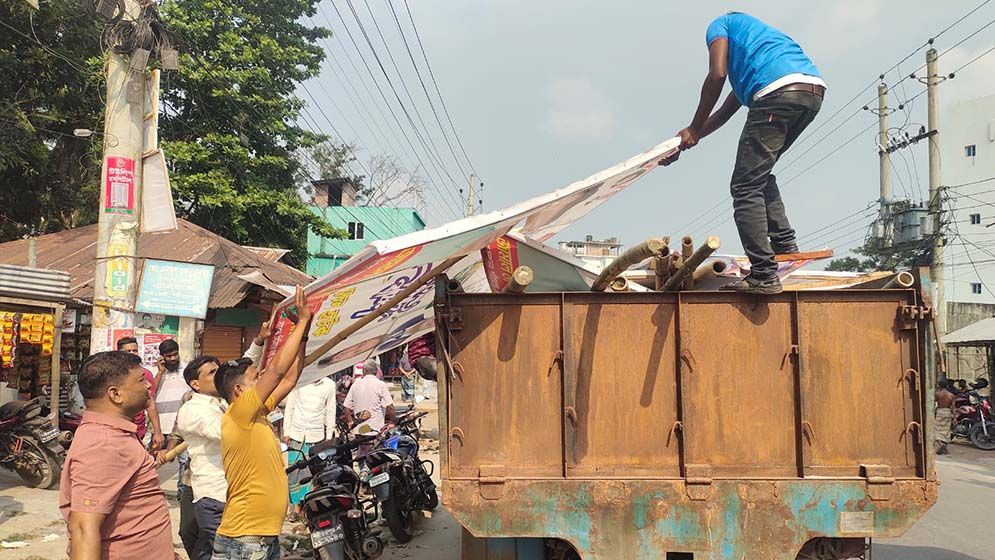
<point>500,261</point>
<point>119,186</point>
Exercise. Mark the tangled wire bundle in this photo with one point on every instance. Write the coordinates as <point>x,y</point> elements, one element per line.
<point>130,36</point>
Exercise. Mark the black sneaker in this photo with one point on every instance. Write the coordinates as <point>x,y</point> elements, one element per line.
<point>751,285</point>
<point>788,249</point>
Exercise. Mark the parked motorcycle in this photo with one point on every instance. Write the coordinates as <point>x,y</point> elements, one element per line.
<point>399,480</point>
<point>29,444</point>
<point>337,519</point>
<point>973,419</point>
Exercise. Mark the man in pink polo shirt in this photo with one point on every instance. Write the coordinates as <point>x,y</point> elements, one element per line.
<point>110,494</point>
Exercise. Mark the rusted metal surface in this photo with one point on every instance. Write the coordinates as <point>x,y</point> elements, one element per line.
<point>632,424</point>
<point>641,519</point>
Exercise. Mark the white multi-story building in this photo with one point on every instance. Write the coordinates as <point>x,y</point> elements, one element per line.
<point>596,253</point>
<point>968,171</point>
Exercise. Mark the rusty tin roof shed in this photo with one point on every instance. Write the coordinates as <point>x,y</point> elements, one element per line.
<point>74,251</point>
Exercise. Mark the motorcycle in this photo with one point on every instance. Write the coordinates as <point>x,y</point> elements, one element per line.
<point>399,480</point>
<point>29,444</point>
<point>337,519</point>
<point>973,417</point>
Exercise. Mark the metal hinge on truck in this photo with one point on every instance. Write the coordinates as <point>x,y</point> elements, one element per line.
<point>910,315</point>
<point>491,479</point>
<point>880,482</point>
<point>698,480</point>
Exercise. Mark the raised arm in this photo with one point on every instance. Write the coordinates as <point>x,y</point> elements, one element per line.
<point>289,380</point>
<point>288,354</point>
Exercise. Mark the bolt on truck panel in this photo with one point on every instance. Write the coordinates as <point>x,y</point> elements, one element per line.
<point>635,424</point>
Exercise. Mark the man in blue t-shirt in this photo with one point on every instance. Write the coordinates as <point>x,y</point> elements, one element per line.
<point>783,90</point>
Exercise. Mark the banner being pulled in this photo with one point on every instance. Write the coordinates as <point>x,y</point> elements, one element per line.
<point>363,285</point>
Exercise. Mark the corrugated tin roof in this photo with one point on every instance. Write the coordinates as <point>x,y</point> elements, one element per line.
<point>268,253</point>
<point>75,250</point>
<point>975,334</point>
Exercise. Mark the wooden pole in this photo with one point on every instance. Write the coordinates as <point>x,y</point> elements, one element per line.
<point>689,266</point>
<point>520,280</point>
<point>709,270</point>
<point>661,266</point>
<point>401,296</point>
<point>650,248</point>
<point>687,249</point>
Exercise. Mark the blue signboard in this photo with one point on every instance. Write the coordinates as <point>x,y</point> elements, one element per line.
<point>175,288</point>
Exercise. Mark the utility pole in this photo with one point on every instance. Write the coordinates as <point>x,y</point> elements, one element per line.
<point>471,195</point>
<point>935,193</point>
<point>120,197</point>
<point>884,156</point>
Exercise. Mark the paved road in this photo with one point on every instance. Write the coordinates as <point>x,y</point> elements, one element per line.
<point>961,526</point>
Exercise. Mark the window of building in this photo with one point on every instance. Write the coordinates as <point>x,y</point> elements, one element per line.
<point>975,219</point>
<point>970,151</point>
<point>976,288</point>
<point>356,230</point>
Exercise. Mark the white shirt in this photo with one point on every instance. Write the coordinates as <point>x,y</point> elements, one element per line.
<point>311,412</point>
<point>198,422</point>
<point>369,393</point>
<point>172,387</point>
<point>788,80</point>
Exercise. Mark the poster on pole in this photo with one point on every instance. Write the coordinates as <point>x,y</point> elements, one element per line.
<point>175,288</point>
<point>119,185</point>
<point>384,268</point>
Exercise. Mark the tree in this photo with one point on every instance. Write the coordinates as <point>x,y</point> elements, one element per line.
<point>229,125</point>
<point>878,256</point>
<point>51,83</point>
<point>329,160</point>
<point>390,183</point>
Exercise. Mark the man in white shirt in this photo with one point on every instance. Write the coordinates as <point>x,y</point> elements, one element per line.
<point>198,422</point>
<point>369,394</point>
<point>309,418</point>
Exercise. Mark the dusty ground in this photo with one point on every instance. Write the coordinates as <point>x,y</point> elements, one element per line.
<point>957,528</point>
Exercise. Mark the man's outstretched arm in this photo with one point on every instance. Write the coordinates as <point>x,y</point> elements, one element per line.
<point>711,89</point>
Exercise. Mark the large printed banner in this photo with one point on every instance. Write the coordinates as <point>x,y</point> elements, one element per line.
<point>384,268</point>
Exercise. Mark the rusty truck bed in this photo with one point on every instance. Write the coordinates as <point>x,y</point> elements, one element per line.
<point>727,426</point>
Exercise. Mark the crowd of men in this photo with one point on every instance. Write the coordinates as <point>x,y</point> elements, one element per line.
<point>111,496</point>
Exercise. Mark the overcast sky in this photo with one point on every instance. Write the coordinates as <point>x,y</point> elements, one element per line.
<point>544,93</point>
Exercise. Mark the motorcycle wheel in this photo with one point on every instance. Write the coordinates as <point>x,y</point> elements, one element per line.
<point>399,521</point>
<point>980,440</point>
<point>37,468</point>
<point>433,499</point>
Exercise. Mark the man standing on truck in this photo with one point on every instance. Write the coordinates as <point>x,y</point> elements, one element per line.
<point>944,415</point>
<point>772,76</point>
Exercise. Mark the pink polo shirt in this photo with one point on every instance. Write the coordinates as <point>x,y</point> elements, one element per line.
<point>108,471</point>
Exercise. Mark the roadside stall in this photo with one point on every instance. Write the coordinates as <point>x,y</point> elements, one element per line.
<point>32,303</point>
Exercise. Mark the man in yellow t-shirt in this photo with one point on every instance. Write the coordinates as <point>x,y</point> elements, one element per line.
<point>257,484</point>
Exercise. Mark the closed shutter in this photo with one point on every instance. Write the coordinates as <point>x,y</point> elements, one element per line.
<point>224,343</point>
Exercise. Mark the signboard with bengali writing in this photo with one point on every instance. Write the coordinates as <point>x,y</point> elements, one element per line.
<point>119,185</point>
<point>384,268</point>
<point>175,288</point>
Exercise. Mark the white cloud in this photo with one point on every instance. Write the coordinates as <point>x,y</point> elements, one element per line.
<point>971,82</point>
<point>578,109</point>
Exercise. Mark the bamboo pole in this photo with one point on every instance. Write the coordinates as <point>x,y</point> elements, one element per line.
<point>903,279</point>
<point>401,296</point>
<point>520,280</point>
<point>619,285</point>
<point>703,252</point>
<point>709,270</point>
<point>650,248</point>
<point>661,268</point>
<point>687,249</point>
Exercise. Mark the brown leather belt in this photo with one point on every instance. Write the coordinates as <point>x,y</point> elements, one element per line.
<point>810,88</point>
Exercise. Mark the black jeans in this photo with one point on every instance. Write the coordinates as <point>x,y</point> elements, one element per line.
<point>773,124</point>
<point>189,530</point>
<point>208,514</point>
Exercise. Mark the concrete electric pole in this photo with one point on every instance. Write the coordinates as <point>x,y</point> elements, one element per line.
<point>935,193</point>
<point>471,195</point>
<point>885,155</point>
<point>119,221</point>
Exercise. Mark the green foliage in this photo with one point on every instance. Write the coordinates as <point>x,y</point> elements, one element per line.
<point>228,129</point>
<point>879,257</point>
<point>48,178</point>
<point>227,124</point>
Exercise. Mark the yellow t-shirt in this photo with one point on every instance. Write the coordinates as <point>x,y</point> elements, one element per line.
<point>257,482</point>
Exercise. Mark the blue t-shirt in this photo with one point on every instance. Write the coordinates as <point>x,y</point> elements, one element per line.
<point>758,54</point>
